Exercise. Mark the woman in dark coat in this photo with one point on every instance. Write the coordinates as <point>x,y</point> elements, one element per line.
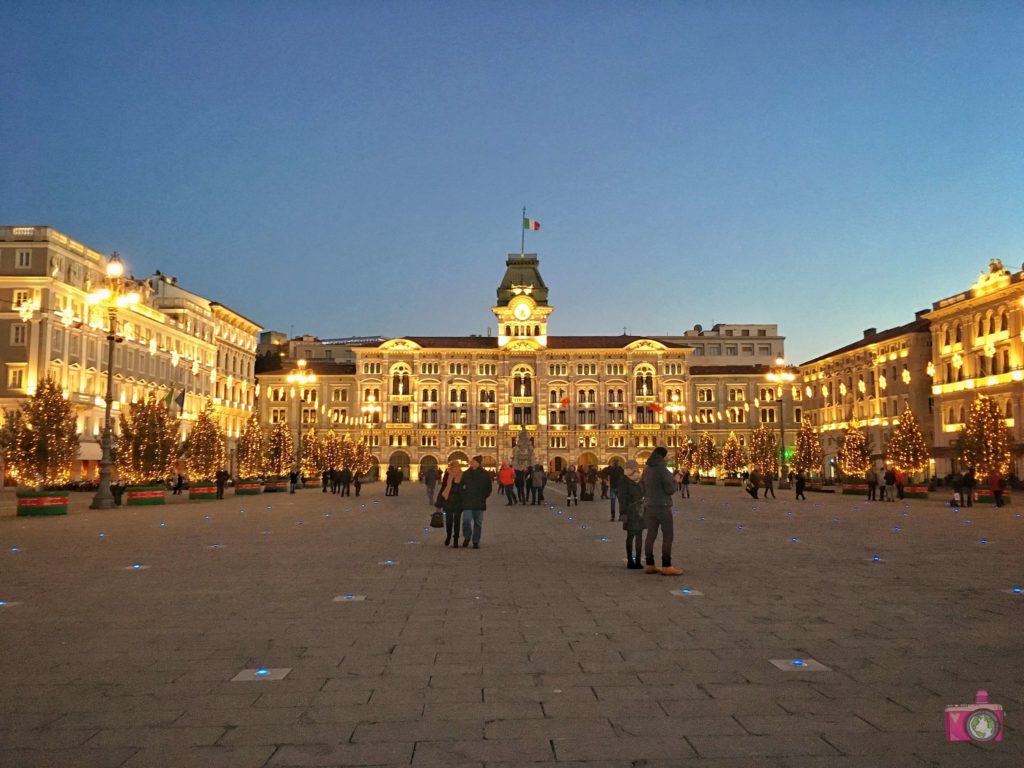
<point>451,493</point>
<point>631,506</point>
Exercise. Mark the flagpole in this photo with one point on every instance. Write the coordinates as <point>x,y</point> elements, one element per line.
<point>522,234</point>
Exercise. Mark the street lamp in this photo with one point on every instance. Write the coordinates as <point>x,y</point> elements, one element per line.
<point>782,374</point>
<point>112,297</point>
<point>301,377</point>
<point>370,409</point>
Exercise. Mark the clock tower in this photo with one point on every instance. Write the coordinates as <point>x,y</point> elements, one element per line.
<point>522,309</point>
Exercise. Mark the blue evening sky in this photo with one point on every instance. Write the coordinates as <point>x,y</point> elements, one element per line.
<point>348,168</point>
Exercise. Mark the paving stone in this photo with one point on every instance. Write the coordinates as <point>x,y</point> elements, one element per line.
<point>437,753</point>
<point>665,747</point>
<point>64,758</point>
<point>155,737</point>
<point>371,754</point>
<point>193,757</point>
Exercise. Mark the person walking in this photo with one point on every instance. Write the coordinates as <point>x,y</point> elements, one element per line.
<point>880,479</point>
<point>399,476</point>
<point>615,475</point>
<point>430,480</point>
<point>581,477</point>
<point>345,478</point>
<point>769,484</point>
<point>658,488</point>
<point>872,477</point>
<point>357,481</point>
<point>685,489</point>
<point>901,483</point>
<point>995,484</point>
<point>571,486</point>
<point>451,493</point>
<point>528,486</point>
<point>754,482</point>
<point>325,478</point>
<point>293,480</point>
<point>591,481</point>
<point>476,487</point>
<point>801,485</point>
<point>956,482</point>
<point>631,504</point>
<point>520,486</point>
<point>178,485</point>
<point>507,483</point>
<point>970,484</point>
<point>890,484</point>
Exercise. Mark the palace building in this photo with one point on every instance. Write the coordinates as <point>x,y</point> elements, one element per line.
<point>424,400</point>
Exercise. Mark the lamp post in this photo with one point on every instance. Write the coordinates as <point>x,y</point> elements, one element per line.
<point>301,377</point>
<point>782,375</point>
<point>112,297</point>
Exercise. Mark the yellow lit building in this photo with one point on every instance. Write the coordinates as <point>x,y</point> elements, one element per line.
<point>423,400</point>
<point>978,345</point>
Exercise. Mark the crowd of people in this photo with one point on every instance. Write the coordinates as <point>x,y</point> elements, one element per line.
<point>337,481</point>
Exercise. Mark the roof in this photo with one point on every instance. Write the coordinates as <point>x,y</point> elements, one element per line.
<point>226,308</point>
<point>554,342</point>
<point>919,325</point>
<point>717,370</point>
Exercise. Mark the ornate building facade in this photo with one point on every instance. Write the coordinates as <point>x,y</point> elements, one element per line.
<point>419,400</point>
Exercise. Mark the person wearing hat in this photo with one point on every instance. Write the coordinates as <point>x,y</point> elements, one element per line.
<point>476,487</point>
<point>631,509</point>
<point>658,488</point>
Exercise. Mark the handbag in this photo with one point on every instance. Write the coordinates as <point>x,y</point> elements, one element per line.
<point>437,519</point>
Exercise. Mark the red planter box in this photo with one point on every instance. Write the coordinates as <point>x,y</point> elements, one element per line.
<point>202,492</point>
<point>42,503</point>
<point>248,487</point>
<point>139,496</point>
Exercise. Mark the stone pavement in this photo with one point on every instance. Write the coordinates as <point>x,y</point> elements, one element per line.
<point>538,649</point>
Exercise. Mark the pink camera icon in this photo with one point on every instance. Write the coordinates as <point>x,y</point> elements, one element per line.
<point>980,721</point>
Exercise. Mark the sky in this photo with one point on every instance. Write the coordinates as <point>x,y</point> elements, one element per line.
<point>358,168</point>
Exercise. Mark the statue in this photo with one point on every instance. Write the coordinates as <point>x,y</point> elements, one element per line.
<point>522,456</point>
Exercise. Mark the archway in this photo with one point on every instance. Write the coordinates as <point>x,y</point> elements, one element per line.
<point>491,465</point>
<point>586,460</point>
<point>427,462</point>
<point>400,459</point>
<point>460,457</point>
<point>557,465</point>
<point>642,457</point>
<point>616,457</point>
<point>373,473</point>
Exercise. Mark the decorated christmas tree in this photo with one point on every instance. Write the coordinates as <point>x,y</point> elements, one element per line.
<point>808,450</point>
<point>984,442</point>
<point>706,455</point>
<point>148,444</point>
<point>313,462</point>
<point>764,451</point>
<point>252,450</point>
<point>907,450</point>
<point>40,439</point>
<point>204,450</point>
<point>684,455</point>
<point>732,456</point>
<point>280,453</point>
<point>854,453</point>
<point>333,454</point>
<point>362,458</point>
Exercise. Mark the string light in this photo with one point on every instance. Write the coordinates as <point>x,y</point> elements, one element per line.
<point>204,456</point>
<point>907,449</point>
<point>252,450</point>
<point>732,456</point>
<point>705,455</point>
<point>854,454</point>
<point>42,441</point>
<point>809,455</point>
<point>148,443</point>
<point>764,450</point>
<point>984,442</point>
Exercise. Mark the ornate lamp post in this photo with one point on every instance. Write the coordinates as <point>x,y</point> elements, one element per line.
<point>301,377</point>
<point>112,297</point>
<point>782,375</point>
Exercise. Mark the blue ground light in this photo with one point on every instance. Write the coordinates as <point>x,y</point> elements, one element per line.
<point>163,524</point>
<point>876,558</point>
<point>14,549</point>
<point>794,539</point>
<point>739,527</point>
<point>984,541</point>
<point>3,603</point>
<point>102,534</point>
<point>1018,590</point>
<point>262,672</point>
<point>797,662</point>
<point>136,566</point>
<point>349,597</point>
<point>326,514</point>
<point>685,590</point>
<point>389,562</point>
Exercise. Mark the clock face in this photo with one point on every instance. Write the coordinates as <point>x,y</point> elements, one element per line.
<point>521,312</point>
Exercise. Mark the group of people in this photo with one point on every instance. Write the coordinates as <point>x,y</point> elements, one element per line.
<point>885,483</point>
<point>463,497</point>
<point>965,487</point>
<point>522,486</point>
<point>393,478</point>
<point>645,509</point>
<point>339,481</point>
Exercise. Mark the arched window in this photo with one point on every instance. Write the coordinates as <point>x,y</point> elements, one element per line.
<point>981,326</point>
<point>992,324</point>
<point>959,336</point>
<point>1009,409</point>
<point>536,330</point>
<point>963,414</point>
<point>1004,321</point>
<point>952,417</point>
<point>946,339</point>
<point>508,330</point>
<point>522,382</point>
<point>400,380</point>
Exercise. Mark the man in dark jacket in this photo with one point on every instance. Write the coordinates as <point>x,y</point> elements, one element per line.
<point>476,487</point>
<point>658,488</point>
<point>614,473</point>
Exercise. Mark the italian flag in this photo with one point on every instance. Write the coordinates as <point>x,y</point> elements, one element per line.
<point>531,224</point>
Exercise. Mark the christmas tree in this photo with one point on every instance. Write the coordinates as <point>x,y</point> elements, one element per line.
<point>313,462</point>
<point>148,443</point>
<point>362,458</point>
<point>706,455</point>
<point>808,450</point>
<point>764,451</point>
<point>732,455</point>
<point>855,453</point>
<point>280,453</point>
<point>332,448</point>
<point>984,442</point>
<point>684,455</point>
<point>40,439</point>
<point>252,450</point>
<point>907,450</point>
<point>204,450</point>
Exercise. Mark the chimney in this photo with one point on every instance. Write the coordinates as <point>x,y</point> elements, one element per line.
<point>869,332</point>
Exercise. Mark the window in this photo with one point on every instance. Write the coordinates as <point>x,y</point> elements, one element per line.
<point>309,395</point>
<point>617,441</point>
<point>522,383</point>
<point>487,369</point>
<point>488,441</point>
<point>277,394</point>
<point>456,395</point>
<point>644,415</point>
<point>522,415</point>
<point>617,416</point>
<point>18,334</point>
<point>428,440</point>
<point>586,369</point>
<point>340,395</point>
<point>558,441</point>
<point>399,414</point>
<point>458,369</point>
<point>615,369</point>
<point>798,415</point>
<point>616,395</point>
<point>735,415</point>
<point>737,394</point>
<point>747,350</point>
<point>767,394</point>
<point>556,417</point>
<point>731,350</point>
<point>372,441</point>
<point>428,415</point>
<point>24,259</point>
<point>705,415</point>
<point>338,415</point>
<point>15,378</point>
<point>20,297</point>
<point>400,381</point>
<point>587,441</point>
<point>371,368</point>
<point>762,332</point>
<point>429,395</point>
<point>714,350</point>
<point>488,396</point>
<point>644,382</point>
<point>673,369</point>
<point>458,440</point>
<point>705,394</point>
<point>488,416</point>
<point>586,416</point>
<point>558,369</point>
<point>767,415</point>
<point>277,416</point>
<point>430,368</point>
<point>764,349</point>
